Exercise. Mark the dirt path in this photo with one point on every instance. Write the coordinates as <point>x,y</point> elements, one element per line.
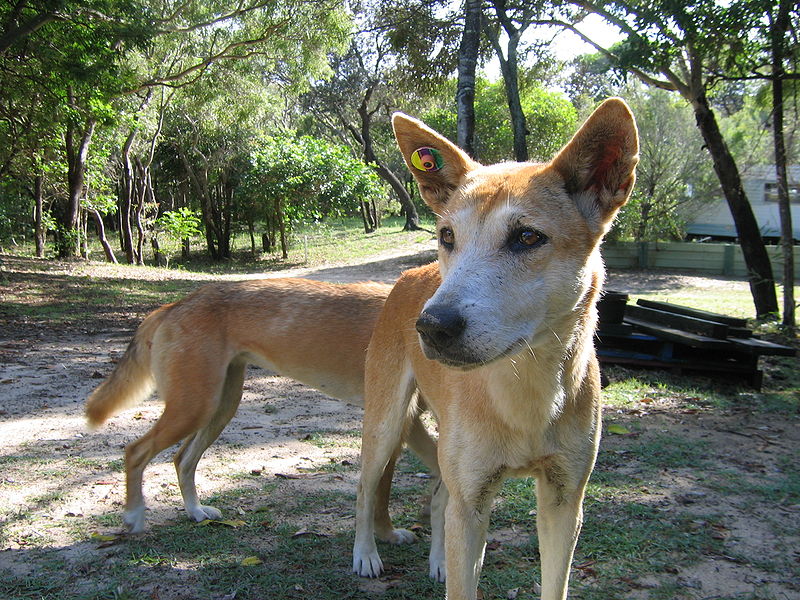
<point>55,476</point>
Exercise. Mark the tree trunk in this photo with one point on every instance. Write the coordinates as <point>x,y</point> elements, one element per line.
<point>281,227</point>
<point>777,33</point>
<point>38,215</point>
<point>467,63</point>
<point>101,233</point>
<point>77,151</point>
<point>125,199</point>
<point>364,137</point>
<point>369,227</point>
<point>509,68</point>
<point>199,184</point>
<point>762,282</point>
<point>409,209</point>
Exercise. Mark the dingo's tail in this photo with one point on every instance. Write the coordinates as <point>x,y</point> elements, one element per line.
<point>131,381</point>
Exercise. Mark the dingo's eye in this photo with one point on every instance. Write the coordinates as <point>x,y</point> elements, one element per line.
<point>525,239</point>
<point>447,238</point>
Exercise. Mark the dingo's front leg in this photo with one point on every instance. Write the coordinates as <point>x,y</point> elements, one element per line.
<point>385,414</point>
<point>558,522</point>
<point>471,487</point>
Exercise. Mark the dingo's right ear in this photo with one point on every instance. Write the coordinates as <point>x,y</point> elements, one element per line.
<point>599,163</point>
<point>437,164</point>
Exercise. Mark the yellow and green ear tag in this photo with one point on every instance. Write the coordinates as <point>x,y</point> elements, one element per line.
<point>426,159</point>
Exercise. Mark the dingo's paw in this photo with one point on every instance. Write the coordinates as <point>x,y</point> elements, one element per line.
<point>134,519</point>
<point>400,536</point>
<point>438,569</point>
<point>367,563</point>
<point>201,513</point>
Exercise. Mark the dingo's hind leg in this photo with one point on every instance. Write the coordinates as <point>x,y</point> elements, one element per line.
<point>190,403</point>
<point>188,456</point>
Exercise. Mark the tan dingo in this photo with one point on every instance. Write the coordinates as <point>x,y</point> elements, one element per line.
<point>195,351</point>
<point>498,340</point>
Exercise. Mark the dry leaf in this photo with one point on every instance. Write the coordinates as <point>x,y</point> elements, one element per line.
<point>251,561</point>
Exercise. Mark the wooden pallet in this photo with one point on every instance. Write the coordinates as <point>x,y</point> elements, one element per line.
<point>683,339</point>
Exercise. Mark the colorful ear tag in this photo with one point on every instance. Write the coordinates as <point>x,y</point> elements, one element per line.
<point>426,159</point>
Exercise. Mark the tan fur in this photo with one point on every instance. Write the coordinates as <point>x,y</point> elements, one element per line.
<point>498,340</point>
<point>195,351</point>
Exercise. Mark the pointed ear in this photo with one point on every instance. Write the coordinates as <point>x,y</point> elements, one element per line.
<point>598,164</point>
<point>437,164</point>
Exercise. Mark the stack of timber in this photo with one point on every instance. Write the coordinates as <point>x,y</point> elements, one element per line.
<point>679,338</point>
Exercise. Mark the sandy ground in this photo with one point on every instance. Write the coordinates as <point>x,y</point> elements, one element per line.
<point>46,374</point>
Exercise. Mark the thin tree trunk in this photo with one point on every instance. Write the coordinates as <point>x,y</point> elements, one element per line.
<point>38,214</point>
<point>467,63</point>
<point>101,232</point>
<point>762,282</point>
<point>365,217</point>
<point>509,68</point>
<point>126,199</point>
<point>77,151</point>
<point>200,186</point>
<point>778,32</point>
<point>281,227</point>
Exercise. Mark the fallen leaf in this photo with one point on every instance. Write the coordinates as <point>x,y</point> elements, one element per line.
<point>235,523</point>
<point>251,561</point>
<point>103,537</point>
<point>512,594</point>
<point>304,531</point>
<point>617,429</point>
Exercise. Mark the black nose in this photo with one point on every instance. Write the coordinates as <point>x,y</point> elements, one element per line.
<point>439,326</point>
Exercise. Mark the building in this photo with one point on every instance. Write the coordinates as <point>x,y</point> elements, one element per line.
<point>714,219</point>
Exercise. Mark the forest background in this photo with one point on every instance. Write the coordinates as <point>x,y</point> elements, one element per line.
<point>139,126</point>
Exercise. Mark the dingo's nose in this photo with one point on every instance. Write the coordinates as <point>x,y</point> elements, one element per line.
<point>439,326</point>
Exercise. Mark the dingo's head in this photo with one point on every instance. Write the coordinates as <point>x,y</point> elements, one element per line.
<point>518,242</point>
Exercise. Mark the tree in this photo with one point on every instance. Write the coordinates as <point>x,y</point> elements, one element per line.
<point>550,118</point>
<point>513,20</point>
<point>76,62</point>
<point>468,53</point>
<point>353,100</point>
<point>680,47</point>
<point>673,178</point>
<point>306,179</point>
<point>779,50</point>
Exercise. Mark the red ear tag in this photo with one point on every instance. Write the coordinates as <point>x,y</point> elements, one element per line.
<point>426,159</point>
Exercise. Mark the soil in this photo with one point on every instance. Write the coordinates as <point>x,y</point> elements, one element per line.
<point>46,373</point>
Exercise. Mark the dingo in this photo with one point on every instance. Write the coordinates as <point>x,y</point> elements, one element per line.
<point>195,352</point>
<point>498,340</point>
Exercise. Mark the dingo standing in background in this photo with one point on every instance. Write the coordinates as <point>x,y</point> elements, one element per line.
<point>194,352</point>
<point>498,338</point>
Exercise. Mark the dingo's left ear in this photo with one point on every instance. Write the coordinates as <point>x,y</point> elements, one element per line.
<point>437,164</point>
<point>598,164</point>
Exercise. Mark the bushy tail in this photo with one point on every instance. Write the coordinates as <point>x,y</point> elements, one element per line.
<point>131,381</point>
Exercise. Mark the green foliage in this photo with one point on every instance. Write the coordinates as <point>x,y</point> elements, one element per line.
<point>550,117</point>
<point>181,224</point>
<point>312,179</point>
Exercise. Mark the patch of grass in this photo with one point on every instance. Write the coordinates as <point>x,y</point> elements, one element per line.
<point>629,386</point>
<point>334,438</point>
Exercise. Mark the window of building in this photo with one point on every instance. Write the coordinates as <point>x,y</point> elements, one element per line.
<point>771,193</point>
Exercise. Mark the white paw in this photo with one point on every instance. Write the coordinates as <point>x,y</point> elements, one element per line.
<point>201,513</point>
<point>367,563</point>
<point>438,569</point>
<point>134,519</point>
<point>401,536</point>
